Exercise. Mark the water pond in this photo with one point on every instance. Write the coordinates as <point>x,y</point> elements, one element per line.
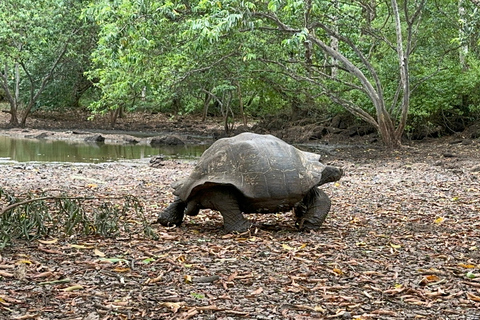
<point>40,150</point>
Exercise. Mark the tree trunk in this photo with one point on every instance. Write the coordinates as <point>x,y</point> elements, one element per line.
<point>363,70</point>
<point>13,100</point>
<point>463,51</point>
<point>114,116</point>
<point>387,131</point>
<point>177,104</point>
<point>226,112</point>
<point>206,103</point>
<point>240,103</point>
<point>334,43</point>
<point>403,68</point>
<point>13,117</point>
<point>26,113</point>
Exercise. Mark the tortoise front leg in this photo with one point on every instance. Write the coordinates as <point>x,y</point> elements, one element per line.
<point>312,210</point>
<point>226,200</point>
<point>173,214</point>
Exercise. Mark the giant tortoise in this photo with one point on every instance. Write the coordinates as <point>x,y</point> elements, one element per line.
<point>253,173</point>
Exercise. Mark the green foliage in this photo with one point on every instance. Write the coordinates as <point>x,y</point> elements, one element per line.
<point>36,217</point>
<point>135,53</point>
<point>450,99</point>
<point>185,57</point>
<point>37,38</point>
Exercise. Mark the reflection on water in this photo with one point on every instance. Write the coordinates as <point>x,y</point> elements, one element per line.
<point>24,150</point>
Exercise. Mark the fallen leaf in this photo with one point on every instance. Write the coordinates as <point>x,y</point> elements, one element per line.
<point>439,220</point>
<point>174,306</point>
<point>338,271</point>
<point>112,260</point>
<point>148,260</point>
<point>304,307</point>
<point>72,288</point>
<point>154,280</point>
<point>428,279</point>
<point>66,280</point>
<point>302,246</point>
<point>205,279</point>
<point>42,275</point>
<point>187,279</point>
<point>197,295</point>
<point>24,317</point>
<point>6,274</point>
<point>232,276</point>
<point>395,246</point>
<point>432,277</point>
<point>473,297</point>
<point>286,247</point>
<point>48,241</point>
<point>99,253</point>
<point>120,269</point>
<point>255,292</point>
<point>80,246</point>
<point>466,266</point>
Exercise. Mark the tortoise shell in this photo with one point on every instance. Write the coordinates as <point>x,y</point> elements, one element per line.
<point>271,174</point>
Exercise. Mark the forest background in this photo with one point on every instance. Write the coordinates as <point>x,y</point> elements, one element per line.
<point>407,68</point>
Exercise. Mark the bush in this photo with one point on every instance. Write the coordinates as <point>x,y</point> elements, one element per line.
<point>46,216</point>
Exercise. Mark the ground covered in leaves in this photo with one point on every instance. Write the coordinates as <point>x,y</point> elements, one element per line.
<point>402,242</point>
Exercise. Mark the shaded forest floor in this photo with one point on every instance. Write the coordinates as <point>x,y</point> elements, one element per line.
<point>402,242</point>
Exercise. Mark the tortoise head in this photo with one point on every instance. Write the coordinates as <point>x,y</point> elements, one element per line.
<point>330,174</point>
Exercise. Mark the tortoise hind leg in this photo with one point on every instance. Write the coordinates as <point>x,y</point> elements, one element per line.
<point>312,210</point>
<point>226,200</point>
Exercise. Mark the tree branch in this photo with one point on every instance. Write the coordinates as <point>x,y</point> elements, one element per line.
<point>375,96</point>
<point>21,203</point>
<point>350,106</point>
<point>186,75</point>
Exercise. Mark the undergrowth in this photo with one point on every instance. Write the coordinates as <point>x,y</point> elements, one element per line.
<point>33,217</point>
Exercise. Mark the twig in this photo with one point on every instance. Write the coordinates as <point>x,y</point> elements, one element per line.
<point>33,200</point>
<point>14,205</point>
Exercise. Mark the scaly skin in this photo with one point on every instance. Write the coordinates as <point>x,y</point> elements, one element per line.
<point>173,214</point>
<point>218,198</point>
<point>312,210</point>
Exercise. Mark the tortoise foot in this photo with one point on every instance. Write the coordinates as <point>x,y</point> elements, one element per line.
<point>173,214</point>
<point>239,226</point>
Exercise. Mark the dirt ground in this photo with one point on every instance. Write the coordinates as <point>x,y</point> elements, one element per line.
<point>402,242</point>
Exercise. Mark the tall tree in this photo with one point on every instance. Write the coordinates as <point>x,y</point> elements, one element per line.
<point>343,32</point>
<point>34,40</point>
<point>138,52</point>
<point>149,53</point>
